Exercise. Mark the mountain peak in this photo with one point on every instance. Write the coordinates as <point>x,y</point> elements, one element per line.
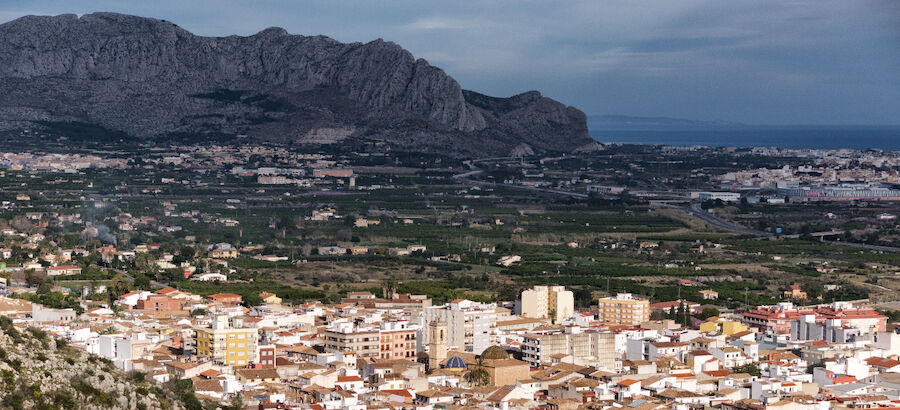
<point>150,78</point>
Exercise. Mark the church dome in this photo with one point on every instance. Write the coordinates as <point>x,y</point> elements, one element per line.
<point>455,362</point>
<point>494,352</point>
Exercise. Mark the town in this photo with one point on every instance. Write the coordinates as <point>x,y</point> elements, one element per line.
<point>270,276</point>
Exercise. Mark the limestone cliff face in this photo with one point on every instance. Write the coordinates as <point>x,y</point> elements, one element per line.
<point>150,78</point>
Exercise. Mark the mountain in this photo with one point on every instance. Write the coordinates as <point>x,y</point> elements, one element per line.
<point>137,77</point>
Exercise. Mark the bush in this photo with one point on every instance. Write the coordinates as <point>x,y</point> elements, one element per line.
<point>38,334</point>
<point>65,400</point>
<point>9,378</point>
<point>16,364</point>
<point>6,325</point>
<point>137,377</point>
<point>14,400</point>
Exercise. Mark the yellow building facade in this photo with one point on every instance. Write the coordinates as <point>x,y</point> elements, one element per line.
<point>228,346</point>
<point>727,327</point>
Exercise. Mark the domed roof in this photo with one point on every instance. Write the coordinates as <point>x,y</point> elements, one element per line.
<point>455,362</point>
<point>494,352</point>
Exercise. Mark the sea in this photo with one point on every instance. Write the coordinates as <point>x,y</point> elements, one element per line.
<point>885,138</point>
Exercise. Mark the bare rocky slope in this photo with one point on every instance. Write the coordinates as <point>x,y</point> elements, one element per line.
<point>137,77</point>
<point>41,372</point>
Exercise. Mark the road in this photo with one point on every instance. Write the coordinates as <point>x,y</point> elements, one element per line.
<point>717,222</point>
<point>696,211</point>
<point>475,170</point>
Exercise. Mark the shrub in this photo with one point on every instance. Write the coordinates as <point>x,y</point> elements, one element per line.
<point>65,400</point>
<point>14,400</point>
<point>38,333</point>
<point>136,376</point>
<point>6,325</point>
<point>9,378</point>
<point>16,364</point>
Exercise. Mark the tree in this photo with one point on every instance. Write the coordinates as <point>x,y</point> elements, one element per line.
<point>252,299</point>
<point>117,287</point>
<point>185,254</point>
<point>709,312</point>
<point>478,376</point>
<point>749,368</point>
<point>236,403</point>
<point>682,317</point>
<point>343,235</point>
<point>141,281</point>
<point>658,314</point>
<point>21,223</point>
<point>583,297</point>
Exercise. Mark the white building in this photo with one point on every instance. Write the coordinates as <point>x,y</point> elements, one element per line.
<point>470,326</point>
<point>723,196</point>
<point>548,302</point>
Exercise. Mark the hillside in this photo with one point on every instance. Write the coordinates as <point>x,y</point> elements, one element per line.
<point>39,371</point>
<point>123,76</point>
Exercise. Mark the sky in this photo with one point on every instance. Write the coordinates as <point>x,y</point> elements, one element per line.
<point>748,61</point>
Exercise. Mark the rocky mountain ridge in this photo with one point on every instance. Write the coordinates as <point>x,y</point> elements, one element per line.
<point>149,78</point>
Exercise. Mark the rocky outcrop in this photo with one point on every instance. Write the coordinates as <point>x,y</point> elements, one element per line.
<point>39,371</point>
<point>148,78</point>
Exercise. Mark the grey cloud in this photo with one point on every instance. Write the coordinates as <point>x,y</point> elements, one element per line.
<point>763,61</point>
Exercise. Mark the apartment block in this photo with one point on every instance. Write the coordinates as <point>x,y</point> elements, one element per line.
<point>397,341</point>
<point>548,302</point>
<point>471,326</point>
<point>623,309</point>
<point>228,342</point>
<point>345,337</point>
<point>573,346</point>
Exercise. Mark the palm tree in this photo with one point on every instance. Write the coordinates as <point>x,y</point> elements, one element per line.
<point>478,376</point>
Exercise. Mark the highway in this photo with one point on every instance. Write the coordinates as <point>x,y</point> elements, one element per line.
<point>717,222</point>
<point>475,170</point>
